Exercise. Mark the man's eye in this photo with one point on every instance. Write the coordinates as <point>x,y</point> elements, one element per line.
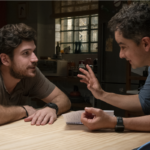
<point>25,53</point>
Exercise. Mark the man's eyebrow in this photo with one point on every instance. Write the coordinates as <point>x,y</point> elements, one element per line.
<point>28,50</point>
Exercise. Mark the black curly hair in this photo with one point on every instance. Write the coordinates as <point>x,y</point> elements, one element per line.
<point>12,35</point>
<point>132,21</point>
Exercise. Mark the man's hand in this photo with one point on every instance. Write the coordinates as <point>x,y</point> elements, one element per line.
<point>42,116</point>
<point>30,110</point>
<point>91,81</point>
<point>94,119</point>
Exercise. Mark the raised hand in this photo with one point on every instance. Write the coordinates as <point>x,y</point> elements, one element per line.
<point>89,78</point>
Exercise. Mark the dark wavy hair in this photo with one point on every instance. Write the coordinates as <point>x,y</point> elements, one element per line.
<point>12,35</point>
<point>132,21</point>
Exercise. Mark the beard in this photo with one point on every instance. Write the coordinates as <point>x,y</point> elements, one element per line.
<point>20,73</point>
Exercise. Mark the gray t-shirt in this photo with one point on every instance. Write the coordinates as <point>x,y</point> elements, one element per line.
<point>36,87</point>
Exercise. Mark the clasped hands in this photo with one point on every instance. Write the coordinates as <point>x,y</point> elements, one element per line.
<point>41,116</point>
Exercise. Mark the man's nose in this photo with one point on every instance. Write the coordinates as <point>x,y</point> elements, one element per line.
<point>34,58</point>
<point>121,54</point>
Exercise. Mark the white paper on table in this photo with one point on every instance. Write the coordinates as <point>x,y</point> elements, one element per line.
<point>75,116</point>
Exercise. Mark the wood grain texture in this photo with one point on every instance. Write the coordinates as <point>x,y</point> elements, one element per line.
<point>21,135</point>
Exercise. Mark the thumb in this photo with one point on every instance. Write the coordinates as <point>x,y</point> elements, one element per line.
<point>94,111</point>
<point>29,118</point>
<point>91,88</point>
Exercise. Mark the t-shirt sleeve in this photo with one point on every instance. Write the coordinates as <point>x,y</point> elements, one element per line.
<point>144,95</point>
<point>40,87</point>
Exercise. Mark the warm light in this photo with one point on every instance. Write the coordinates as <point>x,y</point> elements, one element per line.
<point>62,51</point>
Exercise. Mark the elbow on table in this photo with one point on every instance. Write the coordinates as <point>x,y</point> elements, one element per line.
<point>68,106</point>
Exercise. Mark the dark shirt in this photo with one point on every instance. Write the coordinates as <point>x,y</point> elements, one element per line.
<point>144,95</point>
<point>35,87</point>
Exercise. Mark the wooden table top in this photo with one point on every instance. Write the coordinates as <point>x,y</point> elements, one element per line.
<point>21,135</point>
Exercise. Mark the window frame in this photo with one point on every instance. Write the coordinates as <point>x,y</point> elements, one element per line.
<point>89,29</point>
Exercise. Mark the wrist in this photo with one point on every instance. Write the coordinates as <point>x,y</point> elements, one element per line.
<point>52,106</point>
<point>113,122</point>
<point>120,125</point>
<point>51,109</point>
<point>25,112</point>
<point>22,112</point>
<point>103,94</point>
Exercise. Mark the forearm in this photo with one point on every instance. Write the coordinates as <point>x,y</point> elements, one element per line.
<point>60,99</point>
<point>63,103</point>
<point>137,123</point>
<point>126,102</point>
<point>134,124</point>
<point>10,114</point>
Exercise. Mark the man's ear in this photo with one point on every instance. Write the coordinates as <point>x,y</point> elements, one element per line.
<point>146,43</point>
<point>5,59</point>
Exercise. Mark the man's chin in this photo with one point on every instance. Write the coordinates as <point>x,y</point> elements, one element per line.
<point>32,74</point>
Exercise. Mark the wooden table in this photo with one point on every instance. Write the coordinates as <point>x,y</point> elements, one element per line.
<point>59,136</point>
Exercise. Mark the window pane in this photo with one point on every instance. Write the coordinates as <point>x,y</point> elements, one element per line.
<point>57,24</point>
<point>67,24</point>
<point>67,36</point>
<point>94,35</point>
<point>81,36</point>
<point>94,22</point>
<point>63,46</point>
<point>81,23</point>
<point>76,24</point>
<point>84,47</point>
<point>57,31</point>
<point>57,37</point>
<point>94,47</point>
